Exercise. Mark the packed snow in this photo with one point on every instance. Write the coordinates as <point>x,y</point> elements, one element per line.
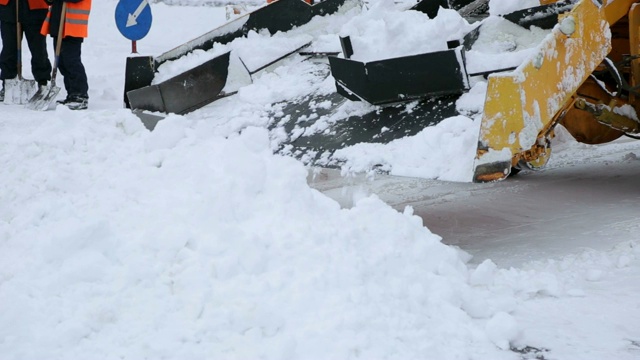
<point>196,241</point>
<point>499,37</point>
<point>387,32</point>
<point>501,7</point>
<point>255,52</point>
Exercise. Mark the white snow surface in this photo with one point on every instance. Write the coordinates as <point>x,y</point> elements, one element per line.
<point>255,50</point>
<point>385,31</point>
<point>501,7</point>
<point>196,241</point>
<point>499,36</point>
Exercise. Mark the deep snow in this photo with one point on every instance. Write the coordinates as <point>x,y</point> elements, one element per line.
<point>195,241</point>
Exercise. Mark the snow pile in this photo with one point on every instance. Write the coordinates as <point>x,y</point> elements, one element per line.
<point>255,51</point>
<point>260,48</point>
<point>502,45</point>
<point>501,7</point>
<point>122,243</point>
<point>194,58</point>
<point>454,138</point>
<point>387,31</point>
<point>195,241</point>
<point>384,32</point>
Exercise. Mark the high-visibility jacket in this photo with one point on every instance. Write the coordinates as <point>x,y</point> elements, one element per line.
<point>32,12</point>
<point>76,22</point>
<point>33,4</point>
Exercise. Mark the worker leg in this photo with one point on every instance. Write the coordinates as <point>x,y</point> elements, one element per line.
<point>9,54</point>
<point>70,65</point>
<point>40,64</point>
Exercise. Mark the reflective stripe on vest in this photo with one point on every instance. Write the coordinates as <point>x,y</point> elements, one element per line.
<point>76,20</point>
<point>45,25</point>
<point>77,23</point>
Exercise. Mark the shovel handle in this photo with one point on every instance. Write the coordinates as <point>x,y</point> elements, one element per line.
<point>59,41</point>
<point>19,43</point>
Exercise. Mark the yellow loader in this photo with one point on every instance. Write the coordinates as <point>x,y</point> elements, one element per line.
<point>585,76</point>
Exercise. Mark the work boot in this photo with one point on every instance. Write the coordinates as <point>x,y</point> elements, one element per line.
<point>67,99</point>
<point>2,92</point>
<point>42,87</point>
<point>75,102</point>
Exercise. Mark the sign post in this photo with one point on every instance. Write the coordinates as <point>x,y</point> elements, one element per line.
<point>133,18</point>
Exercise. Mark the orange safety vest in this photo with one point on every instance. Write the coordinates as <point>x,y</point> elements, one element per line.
<point>76,22</point>
<point>33,4</point>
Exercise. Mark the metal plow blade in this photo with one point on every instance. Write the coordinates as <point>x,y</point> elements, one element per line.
<point>43,98</point>
<point>185,92</point>
<point>217,78</point>
<point>19,91</point>
<point>317,132</point>
<point>148,120</point>
<point>281,15</point>
<point>401,79</point>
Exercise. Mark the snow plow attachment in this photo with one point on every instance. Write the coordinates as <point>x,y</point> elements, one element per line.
<point>560,85</point>
<point>583,73</point>
<point>309,142</point>
<point>400,96</point>
<point>400,79</point>
<point>203,84</point>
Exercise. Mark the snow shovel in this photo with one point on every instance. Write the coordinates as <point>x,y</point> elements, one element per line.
<point>19,90</point>
<point>46,95</point>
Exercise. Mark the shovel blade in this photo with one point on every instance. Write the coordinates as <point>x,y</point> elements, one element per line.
<point>43,98</point>
<point>19,91</point>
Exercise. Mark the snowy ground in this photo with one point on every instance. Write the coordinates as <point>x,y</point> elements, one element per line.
<point>195,241</point>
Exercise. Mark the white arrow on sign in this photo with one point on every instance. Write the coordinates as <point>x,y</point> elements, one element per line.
<point>133,18</point>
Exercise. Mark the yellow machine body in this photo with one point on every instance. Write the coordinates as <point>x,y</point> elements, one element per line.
<point>556,86</point>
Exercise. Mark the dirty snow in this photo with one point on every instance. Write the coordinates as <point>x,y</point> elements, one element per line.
<point>195,241</point>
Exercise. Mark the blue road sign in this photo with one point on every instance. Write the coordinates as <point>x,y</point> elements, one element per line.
<point>133,18</point>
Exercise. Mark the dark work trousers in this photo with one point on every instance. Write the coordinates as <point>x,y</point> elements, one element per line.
<point>70,65</point>
<point>40,64</point>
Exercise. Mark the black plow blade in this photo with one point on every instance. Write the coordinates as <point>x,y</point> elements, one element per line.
<point>543,16</point>
<point>316,132</point>
<point>281,15</point>
<point>401,79</point>
<point>149,120</point>
<point>185,92</point>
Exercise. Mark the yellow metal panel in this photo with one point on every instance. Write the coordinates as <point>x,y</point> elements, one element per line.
<point>617,9</point>
<point>634,48</point>
<point>521,103</point>
<point>502,102</point>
